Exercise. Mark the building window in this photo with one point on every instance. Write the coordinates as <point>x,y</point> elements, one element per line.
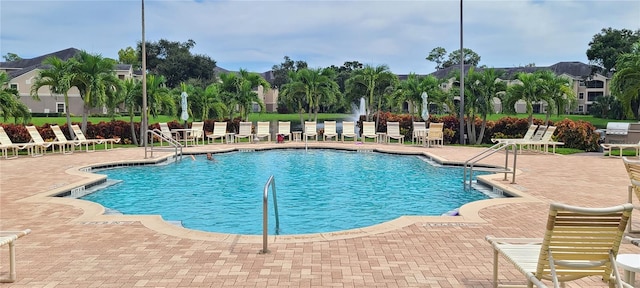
<point>60,107</point>
<point>592,96</point>
<point>121,77</point>
<point>581,95</point>
<point>580,109</point>
<point>595,84</point>
<point>13,86</point>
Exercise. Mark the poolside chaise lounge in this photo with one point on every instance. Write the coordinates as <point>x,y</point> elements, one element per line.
<point>6,144</point>
<point>9,238</point>
<point>349,131</point>
<point>369,131</point>
<point>633,170</point>
<point>393,132</point>
<point>608,147</point>
<point>578,242</point>
<point>262,130</point>
<point>542,143</point>
<point>80,136</point>
<point>64,142</point>
<point>40,146</point>
<point>330,130</point>
<point>244,131</point>
<point>219,131</point>
<point>284,129</point>
<point>527,136</point>
<point>310,130</point>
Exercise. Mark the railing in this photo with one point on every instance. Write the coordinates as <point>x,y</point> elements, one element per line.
<point>506,146</point>
<point>265,214</point>
<point>177,147</point>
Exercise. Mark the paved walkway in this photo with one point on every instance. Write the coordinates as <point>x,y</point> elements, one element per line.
<point>73,245</point>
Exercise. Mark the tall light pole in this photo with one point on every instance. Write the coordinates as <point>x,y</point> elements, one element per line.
<point>461,80</point>
<point>144,125</point>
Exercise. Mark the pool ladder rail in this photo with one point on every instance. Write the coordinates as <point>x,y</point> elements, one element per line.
<point>471,164</point>
<point>265,213</point>
<point>176,146</point>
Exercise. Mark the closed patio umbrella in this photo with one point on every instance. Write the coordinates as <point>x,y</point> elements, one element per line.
<point>425,107</point>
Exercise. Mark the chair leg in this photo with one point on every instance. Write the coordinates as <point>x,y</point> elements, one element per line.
<point>495,268</point>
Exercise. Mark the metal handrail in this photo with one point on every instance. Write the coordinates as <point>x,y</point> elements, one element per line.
<point>176,145</point>
<point>486,153</point>
<point>265,214</point>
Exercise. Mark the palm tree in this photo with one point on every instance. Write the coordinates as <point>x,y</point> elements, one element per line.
<point>238,90</point>
<point>557,92</point>
<point>481,89</point>
<point>57,75</point>
<point>94,77</point>
<point>371,79</point>
<point>318,86</point>
<point>294,94</point>
<point>410,90</point>
<point>625,84</point>
<point>529,89</point>
<point>10,104</point>
<point>131,95</point>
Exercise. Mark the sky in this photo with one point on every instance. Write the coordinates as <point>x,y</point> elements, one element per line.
<point>255,35</point>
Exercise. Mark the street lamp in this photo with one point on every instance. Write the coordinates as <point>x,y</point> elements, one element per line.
<point>461,81</point>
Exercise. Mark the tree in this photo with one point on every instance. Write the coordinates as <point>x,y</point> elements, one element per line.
<point>529,89</point>
<point>410,90</point>
<point>57,75</point>
<point>557,92</point>
<point>281,71</point>
<point>374,81</point>
<point>10,104</point>
<point>175,61</point>
<point>94,77</point>
<point>625,84</point>
<point>131,95</point>
<point>437,55</point>
<point>470,58</point>
<point>11,57</point>
<point>128,56</point>
<point>481,89</point>
<point>318,86</point>
<point>606,46</point>
<point>607,107</point>
<point>294,94</point>
<point>238,90</point>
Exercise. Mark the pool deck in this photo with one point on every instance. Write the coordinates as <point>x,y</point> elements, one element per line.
<point>73,245</point>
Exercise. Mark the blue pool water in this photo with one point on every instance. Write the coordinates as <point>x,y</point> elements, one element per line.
<point>317,190</point>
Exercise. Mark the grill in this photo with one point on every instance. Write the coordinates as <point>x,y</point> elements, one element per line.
<point>617,128</point>
<point>622,133</point>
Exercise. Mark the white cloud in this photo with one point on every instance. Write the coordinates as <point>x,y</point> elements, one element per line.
<point>258,34</point>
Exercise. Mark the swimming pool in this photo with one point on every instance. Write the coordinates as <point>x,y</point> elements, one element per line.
<point>317,190</point>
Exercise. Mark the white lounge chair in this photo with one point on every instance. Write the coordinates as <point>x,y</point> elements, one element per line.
<point>369,131</point>
<point>63,141</point>
<point>263,130</point>
<point>284,129</point>
<point>244,131</point>
<point>607,148</point>
<point>40,146</point>
<point>393,132</point>
<point>6,145</point>
<point>9,238</point>
<point>330,130</point>
<point>80,136</point>
<point>166,132</point>
<point>578,242</point>
<point>310,130</point>
<point>219,131</point>
<point>349,131</point>
<point>419,130</point>
<point>196,133</point>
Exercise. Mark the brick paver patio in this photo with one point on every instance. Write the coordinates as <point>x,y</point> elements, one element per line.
<point>73,245</point>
